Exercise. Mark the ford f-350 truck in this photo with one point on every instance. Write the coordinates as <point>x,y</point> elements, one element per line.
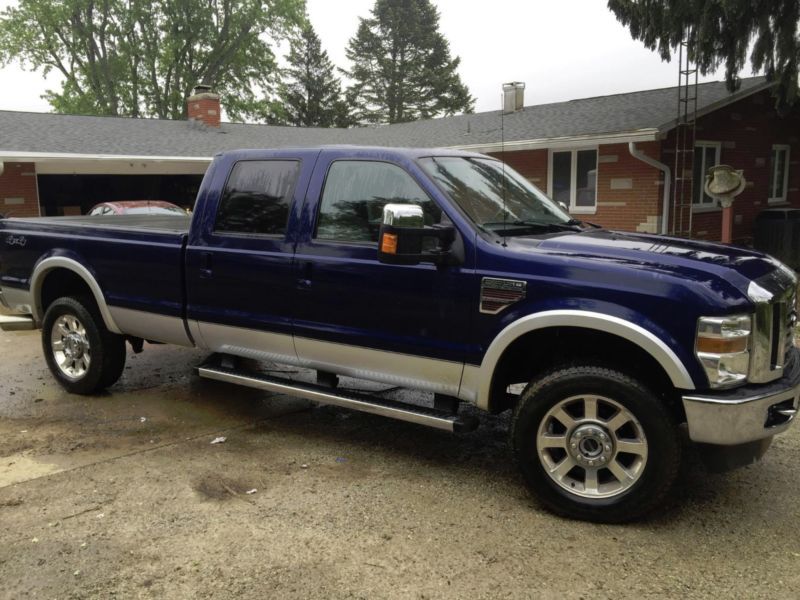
<point>440,271</point>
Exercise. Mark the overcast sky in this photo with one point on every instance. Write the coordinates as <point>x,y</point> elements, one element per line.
<point>561,49</point>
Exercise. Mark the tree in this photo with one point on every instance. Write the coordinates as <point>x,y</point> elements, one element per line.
<point>143,57</point>
<point>312,95</point>
<point>721,32</point>
<point>401,65</point>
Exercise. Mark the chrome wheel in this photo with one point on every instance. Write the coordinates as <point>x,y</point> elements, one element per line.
<point>70,347</point>
<point>592,446</point>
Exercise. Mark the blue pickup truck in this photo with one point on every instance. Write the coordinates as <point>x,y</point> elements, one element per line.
<point>439,271</point>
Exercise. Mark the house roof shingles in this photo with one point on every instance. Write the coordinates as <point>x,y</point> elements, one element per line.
<point>72,134</point>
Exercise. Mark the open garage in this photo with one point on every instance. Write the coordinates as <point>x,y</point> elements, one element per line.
<point>63,195</point>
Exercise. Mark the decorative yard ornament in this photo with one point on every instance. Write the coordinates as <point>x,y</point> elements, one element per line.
<point>724,183</point>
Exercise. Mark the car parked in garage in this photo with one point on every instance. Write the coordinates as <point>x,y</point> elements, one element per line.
<point>136,207</point>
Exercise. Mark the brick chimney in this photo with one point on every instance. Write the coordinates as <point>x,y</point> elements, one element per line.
<point>203,105</point>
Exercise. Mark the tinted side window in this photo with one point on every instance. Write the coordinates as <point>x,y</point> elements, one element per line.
<point>355,194</point>
<point>257,196</point>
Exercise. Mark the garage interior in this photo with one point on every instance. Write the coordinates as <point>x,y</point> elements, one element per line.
<point>70,195</point>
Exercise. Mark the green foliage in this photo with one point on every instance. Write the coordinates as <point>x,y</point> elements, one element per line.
<point>142,58</point>
<point>312,95</point>
<point>721,33</point>
<point>401,66</point>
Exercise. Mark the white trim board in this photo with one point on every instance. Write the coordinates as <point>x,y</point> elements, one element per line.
<point>25,156</point>
<point>55,163</point>
<point>566,142</point>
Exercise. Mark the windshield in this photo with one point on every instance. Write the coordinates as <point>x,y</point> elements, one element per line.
<point>493,194</point>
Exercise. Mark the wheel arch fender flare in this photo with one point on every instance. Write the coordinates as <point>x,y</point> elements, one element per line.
<point>51,263</point>
<point>480,379</point>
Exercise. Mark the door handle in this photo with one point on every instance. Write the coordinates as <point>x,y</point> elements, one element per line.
<point>306,271</point>
<point>205,265</point>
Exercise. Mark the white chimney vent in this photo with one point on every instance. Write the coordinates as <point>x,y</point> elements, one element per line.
<point>513,96</point>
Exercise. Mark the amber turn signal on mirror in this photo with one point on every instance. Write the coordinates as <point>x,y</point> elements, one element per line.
<point>389,243</point>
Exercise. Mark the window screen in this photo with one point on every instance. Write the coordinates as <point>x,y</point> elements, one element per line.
<point>586,178</point>
<point>355,194</point>
<point>562,177</point>
<point>777,183</point>
<point>257,197</point>
<point>575,178</point>
<point>705,157</point>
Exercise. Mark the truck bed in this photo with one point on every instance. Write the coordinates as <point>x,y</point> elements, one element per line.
<point>137,260</point>
<point>160,223</point>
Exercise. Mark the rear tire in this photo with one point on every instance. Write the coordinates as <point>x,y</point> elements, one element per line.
<point>82,354</point>
<point>595,444</point>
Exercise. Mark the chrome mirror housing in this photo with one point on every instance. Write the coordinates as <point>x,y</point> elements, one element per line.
<point>403,215</point>
<point>404,239</point>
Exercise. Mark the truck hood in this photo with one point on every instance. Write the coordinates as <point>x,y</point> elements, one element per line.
<point>678,256</point>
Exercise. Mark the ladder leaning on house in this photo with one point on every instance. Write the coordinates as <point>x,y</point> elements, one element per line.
<point>683,184</point>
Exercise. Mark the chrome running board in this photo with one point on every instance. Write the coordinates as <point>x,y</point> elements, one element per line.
<point>355,401</point>
<point>17,323</point>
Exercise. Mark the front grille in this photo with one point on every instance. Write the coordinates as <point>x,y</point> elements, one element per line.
<point>790,321</point>
<point>773,333</point>
<point>783,317</point>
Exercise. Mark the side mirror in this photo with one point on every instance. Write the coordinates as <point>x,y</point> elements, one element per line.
<point>405,240</point>
<point>563,206</point>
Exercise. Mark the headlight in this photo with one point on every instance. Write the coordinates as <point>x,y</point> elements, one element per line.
<point>723,347</point>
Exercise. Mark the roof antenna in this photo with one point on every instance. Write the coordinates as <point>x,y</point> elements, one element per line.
<point>503,160</point>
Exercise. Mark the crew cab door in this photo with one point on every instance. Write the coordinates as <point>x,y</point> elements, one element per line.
<point>240,281</point>
<point>407,325</point>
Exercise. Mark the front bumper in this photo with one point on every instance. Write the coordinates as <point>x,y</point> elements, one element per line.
<point>745,414</point>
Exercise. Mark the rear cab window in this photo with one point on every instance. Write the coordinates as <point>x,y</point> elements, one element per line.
<point>355,192</point>
<point>257,198</point>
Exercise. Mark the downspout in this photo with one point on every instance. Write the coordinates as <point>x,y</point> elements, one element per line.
<point>636,153</point>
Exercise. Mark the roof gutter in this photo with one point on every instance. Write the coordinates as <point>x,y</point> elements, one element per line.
<point>636,153</point>
<point>594,139</point>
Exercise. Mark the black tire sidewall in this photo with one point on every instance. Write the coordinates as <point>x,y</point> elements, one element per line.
<point>80,309</point>
<point>659,427</point>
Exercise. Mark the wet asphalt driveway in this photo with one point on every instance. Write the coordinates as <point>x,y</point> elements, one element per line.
<point>124,495</point>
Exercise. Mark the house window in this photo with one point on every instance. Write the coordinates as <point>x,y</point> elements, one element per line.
<point>574,179</point>
<point>706,155</point>
<point>779,173</point>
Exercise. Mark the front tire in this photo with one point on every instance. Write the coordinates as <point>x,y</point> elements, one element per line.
<point>81,353</point>
<point>595,444</point>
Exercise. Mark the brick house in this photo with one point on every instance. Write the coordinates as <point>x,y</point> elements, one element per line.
<point>607,158</point>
